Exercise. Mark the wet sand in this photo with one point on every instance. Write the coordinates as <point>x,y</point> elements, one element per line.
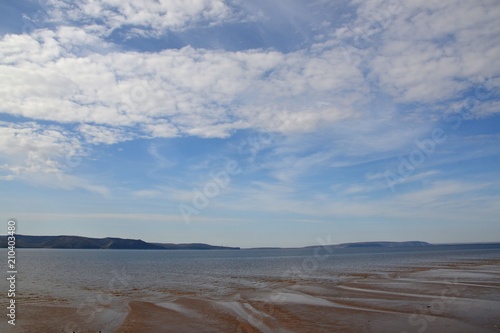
<point>461,297</point>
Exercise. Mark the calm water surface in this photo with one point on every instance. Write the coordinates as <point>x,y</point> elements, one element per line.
<point>47,275</point>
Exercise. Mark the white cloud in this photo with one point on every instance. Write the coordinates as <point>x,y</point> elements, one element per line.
<point>35,148</point>
<point>486,109</point>
<point>188,91</point>
<point>101,134</point>
<point>161,130</point>
<point>43,155</point>
<point>432,51</point>
<point>41,47</point>
<point>415,51</point>
<point>147,17</point>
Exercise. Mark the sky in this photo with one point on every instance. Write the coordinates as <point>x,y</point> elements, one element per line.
<point>251,123</point>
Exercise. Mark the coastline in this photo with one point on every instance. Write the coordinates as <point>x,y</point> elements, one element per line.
<point>457,297</point>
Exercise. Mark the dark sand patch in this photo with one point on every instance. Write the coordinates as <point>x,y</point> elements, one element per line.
<point>148,318</point>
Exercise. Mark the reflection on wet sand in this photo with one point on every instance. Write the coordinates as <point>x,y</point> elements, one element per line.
<point>453,298</point>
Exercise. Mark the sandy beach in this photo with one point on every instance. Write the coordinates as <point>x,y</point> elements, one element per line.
<point>462,297</point>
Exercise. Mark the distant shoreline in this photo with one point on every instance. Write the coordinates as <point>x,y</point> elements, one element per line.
<point>108,243</point>
<point>114,243</point>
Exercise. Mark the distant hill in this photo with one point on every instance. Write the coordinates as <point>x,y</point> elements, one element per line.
<point>385,244</point>
<point>77,242</point>
<point>378,244</point>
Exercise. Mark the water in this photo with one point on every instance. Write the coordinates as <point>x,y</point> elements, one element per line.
<point>69,276</point>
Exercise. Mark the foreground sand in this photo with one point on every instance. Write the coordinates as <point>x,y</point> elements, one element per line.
<point>461,297</point>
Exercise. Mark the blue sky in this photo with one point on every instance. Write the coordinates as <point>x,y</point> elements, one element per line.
<point>262,123</point>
